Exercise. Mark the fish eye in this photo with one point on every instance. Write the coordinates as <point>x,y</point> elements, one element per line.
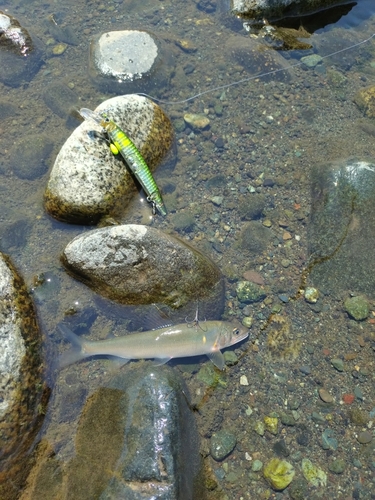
<point>236,331</point>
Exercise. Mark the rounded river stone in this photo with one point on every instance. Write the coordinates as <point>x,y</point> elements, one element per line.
<point>135,264</point>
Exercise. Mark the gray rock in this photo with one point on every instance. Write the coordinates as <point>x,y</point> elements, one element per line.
<point>87,181</point>
<point>60,99</point>
<point>130,61</point>
<point>21,386</point>
<point>20,56</point>
<point>137,439</point>
<point>29,155</point>
<point>276,8</point>
<point>342,226</point>
<point>222,443</point>
<point>357,307</point>
<point>137,264</point>
<point>252,56</point>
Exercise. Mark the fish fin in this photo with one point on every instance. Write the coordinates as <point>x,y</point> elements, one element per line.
<point>119,362</point>
<point>75,353</point>
<point>161,361</point>
<point>217,358</point>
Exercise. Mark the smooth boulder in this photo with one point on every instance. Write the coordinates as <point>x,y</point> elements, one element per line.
<point>135,264</point>
<point>87,180</point>
<point>22,389</point>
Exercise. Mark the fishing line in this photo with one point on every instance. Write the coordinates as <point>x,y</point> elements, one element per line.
<point>254,77</point>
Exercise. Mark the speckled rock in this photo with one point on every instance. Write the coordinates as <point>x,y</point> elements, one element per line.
<point>279,473</point>
<point>248,292</point>
<point>20,55</point>
<point>258,9</point>
<point>130,61</point>
<point>365,100</point>
<point>22,390</point>
<point>222,443</point>
<point>342,226</point>
<point>357,307</point>
<point>137,264</point>
<point>87,181</point>
<point>136,440</point>
<point>313,474</point>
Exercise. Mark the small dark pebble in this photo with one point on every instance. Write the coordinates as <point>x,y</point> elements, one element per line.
<point>281,449</point>
<point>305,370</point>
<point>268,183</point>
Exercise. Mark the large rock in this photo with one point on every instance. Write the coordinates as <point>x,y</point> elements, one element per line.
<point>342,226</point>
<point>137,264</point>
<point>130,61</point>
<point>87,181</point>
<point>20,56</point>
<point>136,439</point>
<point>23,394</point>
<point>278,8</point>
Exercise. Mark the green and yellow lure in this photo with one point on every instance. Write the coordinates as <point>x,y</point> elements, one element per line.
<point>120,143</point>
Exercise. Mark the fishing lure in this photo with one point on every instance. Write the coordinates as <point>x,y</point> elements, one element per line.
<point>120,143</point>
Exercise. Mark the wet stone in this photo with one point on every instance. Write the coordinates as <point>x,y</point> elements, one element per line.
<point>29,155</point>
<point>278,473</point>
<point>87,181</point>
<point>343,192</point>
<point>357,307</point>
<point>364,437</point>
<point>222,444</point>
<point>337,466</point>
<point>338,364</point>
<point>20,55</point>
<point>23,394</point>
<point>137,264</point>
<point>130,61</point>
<point>248,292</point>
<point>60,99</point>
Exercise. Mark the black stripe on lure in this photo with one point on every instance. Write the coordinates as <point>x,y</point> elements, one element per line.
<point>120,143</point>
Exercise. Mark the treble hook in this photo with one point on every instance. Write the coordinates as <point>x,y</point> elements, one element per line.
<point>195,323</point>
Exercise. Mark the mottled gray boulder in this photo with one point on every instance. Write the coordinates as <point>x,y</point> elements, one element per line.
<point>20,56</point>
<point>87,181</point>
<point>130,61</point>
<point>137,264</point>
<point>136,439</point>
<point>252,56</point>
<point>23,394</point>
<point>278,8</point>
<point>342,226</point>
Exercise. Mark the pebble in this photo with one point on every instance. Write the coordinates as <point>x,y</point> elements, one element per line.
<point>311,295</point>
<point>271,424</point>
<point>196,121</point>
<point>222,443</point>
<point>59,49</point>
<point>247,321</point>
<point>357,307</point>
<point>278,473</point>
<point>338,364</point>
<point>243,380</point>
<point>337,466</point>
<point>313,474</point>
<point>364,437</point>
<point>325,396</point>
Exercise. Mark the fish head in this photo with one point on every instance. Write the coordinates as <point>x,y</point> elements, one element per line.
<point>101,119</point>
<point>231,333</point>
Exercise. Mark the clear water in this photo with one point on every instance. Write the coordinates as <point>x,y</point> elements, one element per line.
<point>270,129</point>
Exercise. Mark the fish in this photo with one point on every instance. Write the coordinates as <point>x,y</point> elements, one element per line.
<point>177,341</point>
<point>121,143</point>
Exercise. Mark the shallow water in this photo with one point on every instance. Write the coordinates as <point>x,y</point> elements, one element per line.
<point>269,130</point>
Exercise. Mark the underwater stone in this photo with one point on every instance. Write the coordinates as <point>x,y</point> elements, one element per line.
<point>222,443</point>
<point>20,56</point>
<point>279,473</point>
<point>357,307</point>
<point>342,226</point>
<point>23,394</point>
<point>137,264</point>
<point>87,181</point>
<point>257,9</point>
<point>313,474</point>
<point>130,61</point>
<point>29,155</point>
<point>248,292</point>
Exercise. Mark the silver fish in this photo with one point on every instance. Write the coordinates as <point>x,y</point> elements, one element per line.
<point>178,341</point>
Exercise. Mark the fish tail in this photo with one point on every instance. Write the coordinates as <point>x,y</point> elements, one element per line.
<point>75,353</point>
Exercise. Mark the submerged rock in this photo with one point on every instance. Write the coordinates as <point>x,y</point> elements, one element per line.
<point>20,56</point>
<point>342,226</point>
<point>29,155</point>
<point>87,181</point>
<point>136,440</point>
<point>130,61</point>
<point>136,264</point>
<point>23,395</point>
<point>277,8</point>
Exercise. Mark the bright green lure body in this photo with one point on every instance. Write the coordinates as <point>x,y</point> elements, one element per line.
<point>120,143</point>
